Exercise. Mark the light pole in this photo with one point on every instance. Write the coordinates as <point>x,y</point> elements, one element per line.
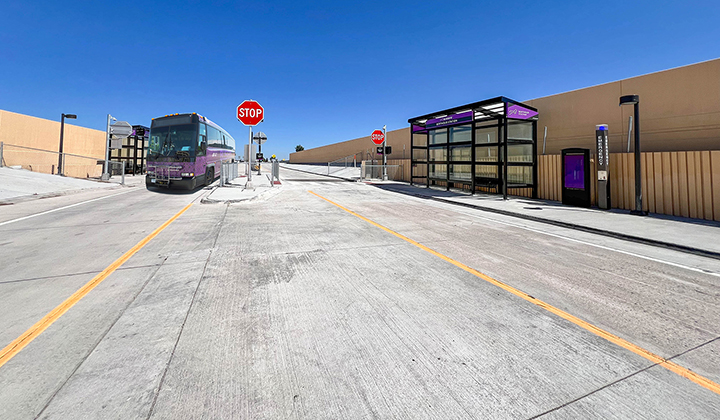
<point>385,153</point>
<point>635,101</point>
<point>62,132</point>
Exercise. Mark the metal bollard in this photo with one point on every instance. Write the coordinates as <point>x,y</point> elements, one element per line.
<point>122,179</point>
<point>275,173</point>
<point>222,177</point>
<point>1,154</point>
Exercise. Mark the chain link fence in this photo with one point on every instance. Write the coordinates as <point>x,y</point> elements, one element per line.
<point>350,161</point>
<point>368,171</point>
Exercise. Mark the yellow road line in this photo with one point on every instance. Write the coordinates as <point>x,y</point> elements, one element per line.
<point>19,343</point>
<point>667,364</point>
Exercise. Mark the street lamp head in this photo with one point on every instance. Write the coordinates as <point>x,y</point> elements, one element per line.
<point>70,116</point>
<point>629,100</point>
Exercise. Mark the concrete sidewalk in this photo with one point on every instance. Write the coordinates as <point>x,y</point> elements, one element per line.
<point>237,190</point>
<point>21,185</point>
<point>696,236</point>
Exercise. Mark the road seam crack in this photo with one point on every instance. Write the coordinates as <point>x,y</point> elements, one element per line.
<point>622,379</point>
<point>187,315</point>
<point>102,337</point>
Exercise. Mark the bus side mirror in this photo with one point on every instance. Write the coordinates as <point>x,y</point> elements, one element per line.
<point>203,145</point>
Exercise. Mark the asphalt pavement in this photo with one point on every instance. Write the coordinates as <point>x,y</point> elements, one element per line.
<point>332,299</point>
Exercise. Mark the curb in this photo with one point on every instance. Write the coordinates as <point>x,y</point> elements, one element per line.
<point>603,232</point>
<point>208,200</point>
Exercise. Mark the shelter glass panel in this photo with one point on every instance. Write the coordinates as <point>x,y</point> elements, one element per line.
<point>438,171</point>
<point>438,153</point>
<point>420,139</point>
<point>520,174</point>
<point>486,154</point>
<point>461,172</point>
<point>460,133</point>
<point>461,153</point>
<point>488,135</point>
<point>520,130</point>
<point>520,152</point>
<point>486,171</point>
<point>419,170</point>
<point>420,154</point>
<point>438,136</point>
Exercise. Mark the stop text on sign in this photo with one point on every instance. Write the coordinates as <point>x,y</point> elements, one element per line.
<point>250,113</point>
<point>377,137</point>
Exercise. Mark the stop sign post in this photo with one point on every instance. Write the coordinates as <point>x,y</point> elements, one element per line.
<point>250,113</point>
<point>378,137</point>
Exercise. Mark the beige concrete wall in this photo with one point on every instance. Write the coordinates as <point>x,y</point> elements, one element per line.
<point>363,147</point>
<point>24,130</point>
<point>679,111</point>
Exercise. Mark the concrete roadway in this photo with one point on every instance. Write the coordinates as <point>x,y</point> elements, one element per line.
<point>291,307</point>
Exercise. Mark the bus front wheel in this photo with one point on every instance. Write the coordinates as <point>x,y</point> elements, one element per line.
<point>209,176</point>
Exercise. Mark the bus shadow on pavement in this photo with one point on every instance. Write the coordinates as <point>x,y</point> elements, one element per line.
<point>170,191</point>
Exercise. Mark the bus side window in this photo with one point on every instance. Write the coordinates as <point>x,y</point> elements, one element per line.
<point>214,137</point>
<point>202,140</point>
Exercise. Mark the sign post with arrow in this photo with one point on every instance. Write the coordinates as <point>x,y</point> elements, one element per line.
<point>259,138</point>
<point>116,132</point>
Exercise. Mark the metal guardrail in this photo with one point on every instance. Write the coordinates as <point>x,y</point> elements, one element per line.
<point>52,162</point>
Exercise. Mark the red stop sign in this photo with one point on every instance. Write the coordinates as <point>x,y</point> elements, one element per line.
<point>250,113</point>
<point>378,137</point>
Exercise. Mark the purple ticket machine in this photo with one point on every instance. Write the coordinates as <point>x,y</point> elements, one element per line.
<point>576,177</point>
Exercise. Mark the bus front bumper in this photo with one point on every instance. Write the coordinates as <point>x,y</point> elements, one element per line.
<point>188,183</point>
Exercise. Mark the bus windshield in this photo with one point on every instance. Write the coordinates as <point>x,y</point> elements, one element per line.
<point>173,143</point>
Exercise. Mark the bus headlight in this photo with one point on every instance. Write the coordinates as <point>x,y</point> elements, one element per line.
<point>187,174</point>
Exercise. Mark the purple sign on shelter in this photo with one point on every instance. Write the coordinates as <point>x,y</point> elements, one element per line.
<point>519,113</point>
<point>454,119</point>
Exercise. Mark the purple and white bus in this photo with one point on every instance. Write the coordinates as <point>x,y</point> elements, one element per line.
<point>186,150</point>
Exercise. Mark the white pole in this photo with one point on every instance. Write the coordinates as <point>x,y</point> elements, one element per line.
<point>544,139</point>
<point>385,153</point>
<point>249,157</point>
<point>629,132</point>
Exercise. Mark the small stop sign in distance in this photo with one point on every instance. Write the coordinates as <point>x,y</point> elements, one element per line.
<point>377,137</point>
<point>250,113</point>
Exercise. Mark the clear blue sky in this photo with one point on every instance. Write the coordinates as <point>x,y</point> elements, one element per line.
<point>328,71</point>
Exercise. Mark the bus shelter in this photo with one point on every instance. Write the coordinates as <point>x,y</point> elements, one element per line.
<point>488,146</point>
